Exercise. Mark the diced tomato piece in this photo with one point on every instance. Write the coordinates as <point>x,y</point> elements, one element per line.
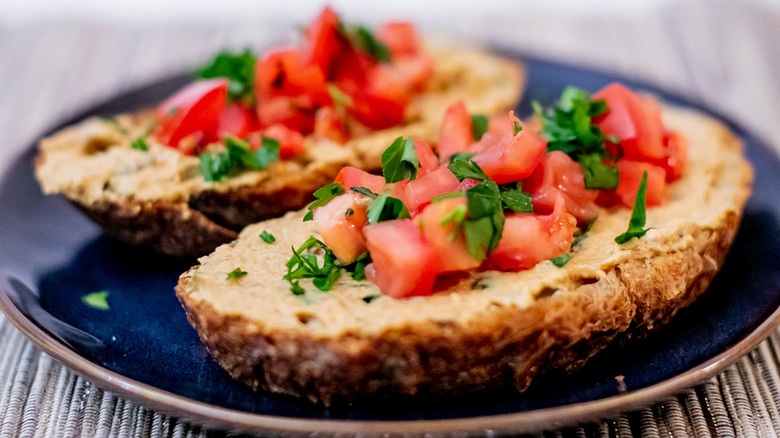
<point>455,135</point>
<point>237,120</point>
<point>322,41</point>
<point>404,264</point>
<point>422,190</point>
<point>343,233</point>
<point>530,238</point>
<point>283,73</point>
<point>353,177</point>
<point>290,142</point>
<point>399,80</point>
<point>675,155</point>
<point>425,155</point>
<point>194,110</point>
<point>400,37</point>
<point>513,159</point>
<point>328,125</point>
<point>443,237</point>
<point>351,71</point>
<point>376,112</point>
<point>634,120</point>
<point>631,176</point>
<point>560,173</point>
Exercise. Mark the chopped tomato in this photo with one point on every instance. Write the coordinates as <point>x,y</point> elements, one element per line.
<point>283,73</point>
<point>195,110</point>
<point>530,238</point>
<point>675,155</point>
<point>340,222</point>
<point>322,41</point>
<point>399,80</point>
<point>328,125</point>
<point>634,120</point>
<point>455,134</point>
<point>631,177</point>
<point>237,120</point>
<point>293,112</point>
<point>400,37</point>
<point>425,155</point>
<point>403,263</point>
<point>376,112</point>
<point>420,191</point>
<point>560,173</point>
<point>444,237</point>
<point>513,159</point>
<point>290,142</point>
<point>353,177</point>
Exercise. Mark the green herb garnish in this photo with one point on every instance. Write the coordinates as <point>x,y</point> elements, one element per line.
<point>97,300</point>
<point>569,128</point>
<point>386,208</point>
<point>485,222</point>
<point>305,263</point>
<point>466,168</point>
<point>399,160</point>
<point>479,126</point>
<point>370,298</point>
<point>267,237</point>
<point>140,144</point>
<point>238,157</point>
<point>517,128</point>
<point>111,120</point>
<point>362,39</point>
<point>517,201</point>
<point>236,273</point>
<point>239,69</point>
<point>322,196</point>
<point>364,191</point>
<point>636,225</point>
<point>561,260</point>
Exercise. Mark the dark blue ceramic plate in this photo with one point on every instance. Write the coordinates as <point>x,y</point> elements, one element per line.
<point>144,348</point>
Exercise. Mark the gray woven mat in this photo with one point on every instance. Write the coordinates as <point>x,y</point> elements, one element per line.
<point>723,53</point>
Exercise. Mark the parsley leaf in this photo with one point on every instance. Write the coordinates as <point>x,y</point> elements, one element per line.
<point>569,128</point>
<point>638,215</point>
<point>517,128</point>
<point>479,126</point>
<point>238,68</point>
<point>237,158</point>
<point>111,120</point>
<point>386,208</point>
<point>364,191</point>
<point>305,263</point>
<point>561,260</point>
<point>322,196</point>
<point>362,39</point>
<point>399,160</point>
<point>517,201</point>
<point>358,267</point>
<point>267,237</point>
<point>463,169</point>
<point>485,224</point>
<point>370,298</point>
<point>597,174</point>
<point>236,273</point>
<point>140,144</point>
<point>97,300</point>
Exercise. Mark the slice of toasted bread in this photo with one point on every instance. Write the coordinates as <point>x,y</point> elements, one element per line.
<point>159,198</point>
<point>490,329</point>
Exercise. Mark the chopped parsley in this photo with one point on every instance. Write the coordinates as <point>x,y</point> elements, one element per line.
<point>466,168</point>
<point>111,120</point>
<point>399,160</point>
<point>636,225</point>
<point>362,39</point>
<point>370,298</point>
<point>364,191</point>
<point>561,260</point>
<point>267,237</point>
<point>569,128</point>
<point>236,273</point>
<point>140,144</point>
<point>485,222</point>
<point>340,98</point>
<point>517,128</point>
<point>238,157</point>
<point>517,201</point>
<point>305,263</point>
<point>239,69</point>
<point>97,300</point>
<point>479,126</point>
<point>386,208</point>
<point>322,196</point>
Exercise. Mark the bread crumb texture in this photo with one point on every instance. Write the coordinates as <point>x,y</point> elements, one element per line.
<point>489,329</point>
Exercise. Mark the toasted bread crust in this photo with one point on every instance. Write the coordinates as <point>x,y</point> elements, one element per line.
<point>464,339</point>
<point>159,199</point>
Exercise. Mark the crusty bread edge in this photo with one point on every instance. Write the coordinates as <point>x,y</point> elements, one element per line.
<point>508,348</point>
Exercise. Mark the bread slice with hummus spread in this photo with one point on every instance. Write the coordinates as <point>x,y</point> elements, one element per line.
<point>490,329</point>
<point>159,198</point>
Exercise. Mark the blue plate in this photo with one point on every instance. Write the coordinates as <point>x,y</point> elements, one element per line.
<point>144,348</point>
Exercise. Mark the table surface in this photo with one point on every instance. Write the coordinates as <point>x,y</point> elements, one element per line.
<point>725,54</point>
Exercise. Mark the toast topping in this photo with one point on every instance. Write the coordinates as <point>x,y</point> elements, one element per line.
<point>499,196</point>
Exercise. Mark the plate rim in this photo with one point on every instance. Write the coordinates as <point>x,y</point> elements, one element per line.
<point>536,420</point>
